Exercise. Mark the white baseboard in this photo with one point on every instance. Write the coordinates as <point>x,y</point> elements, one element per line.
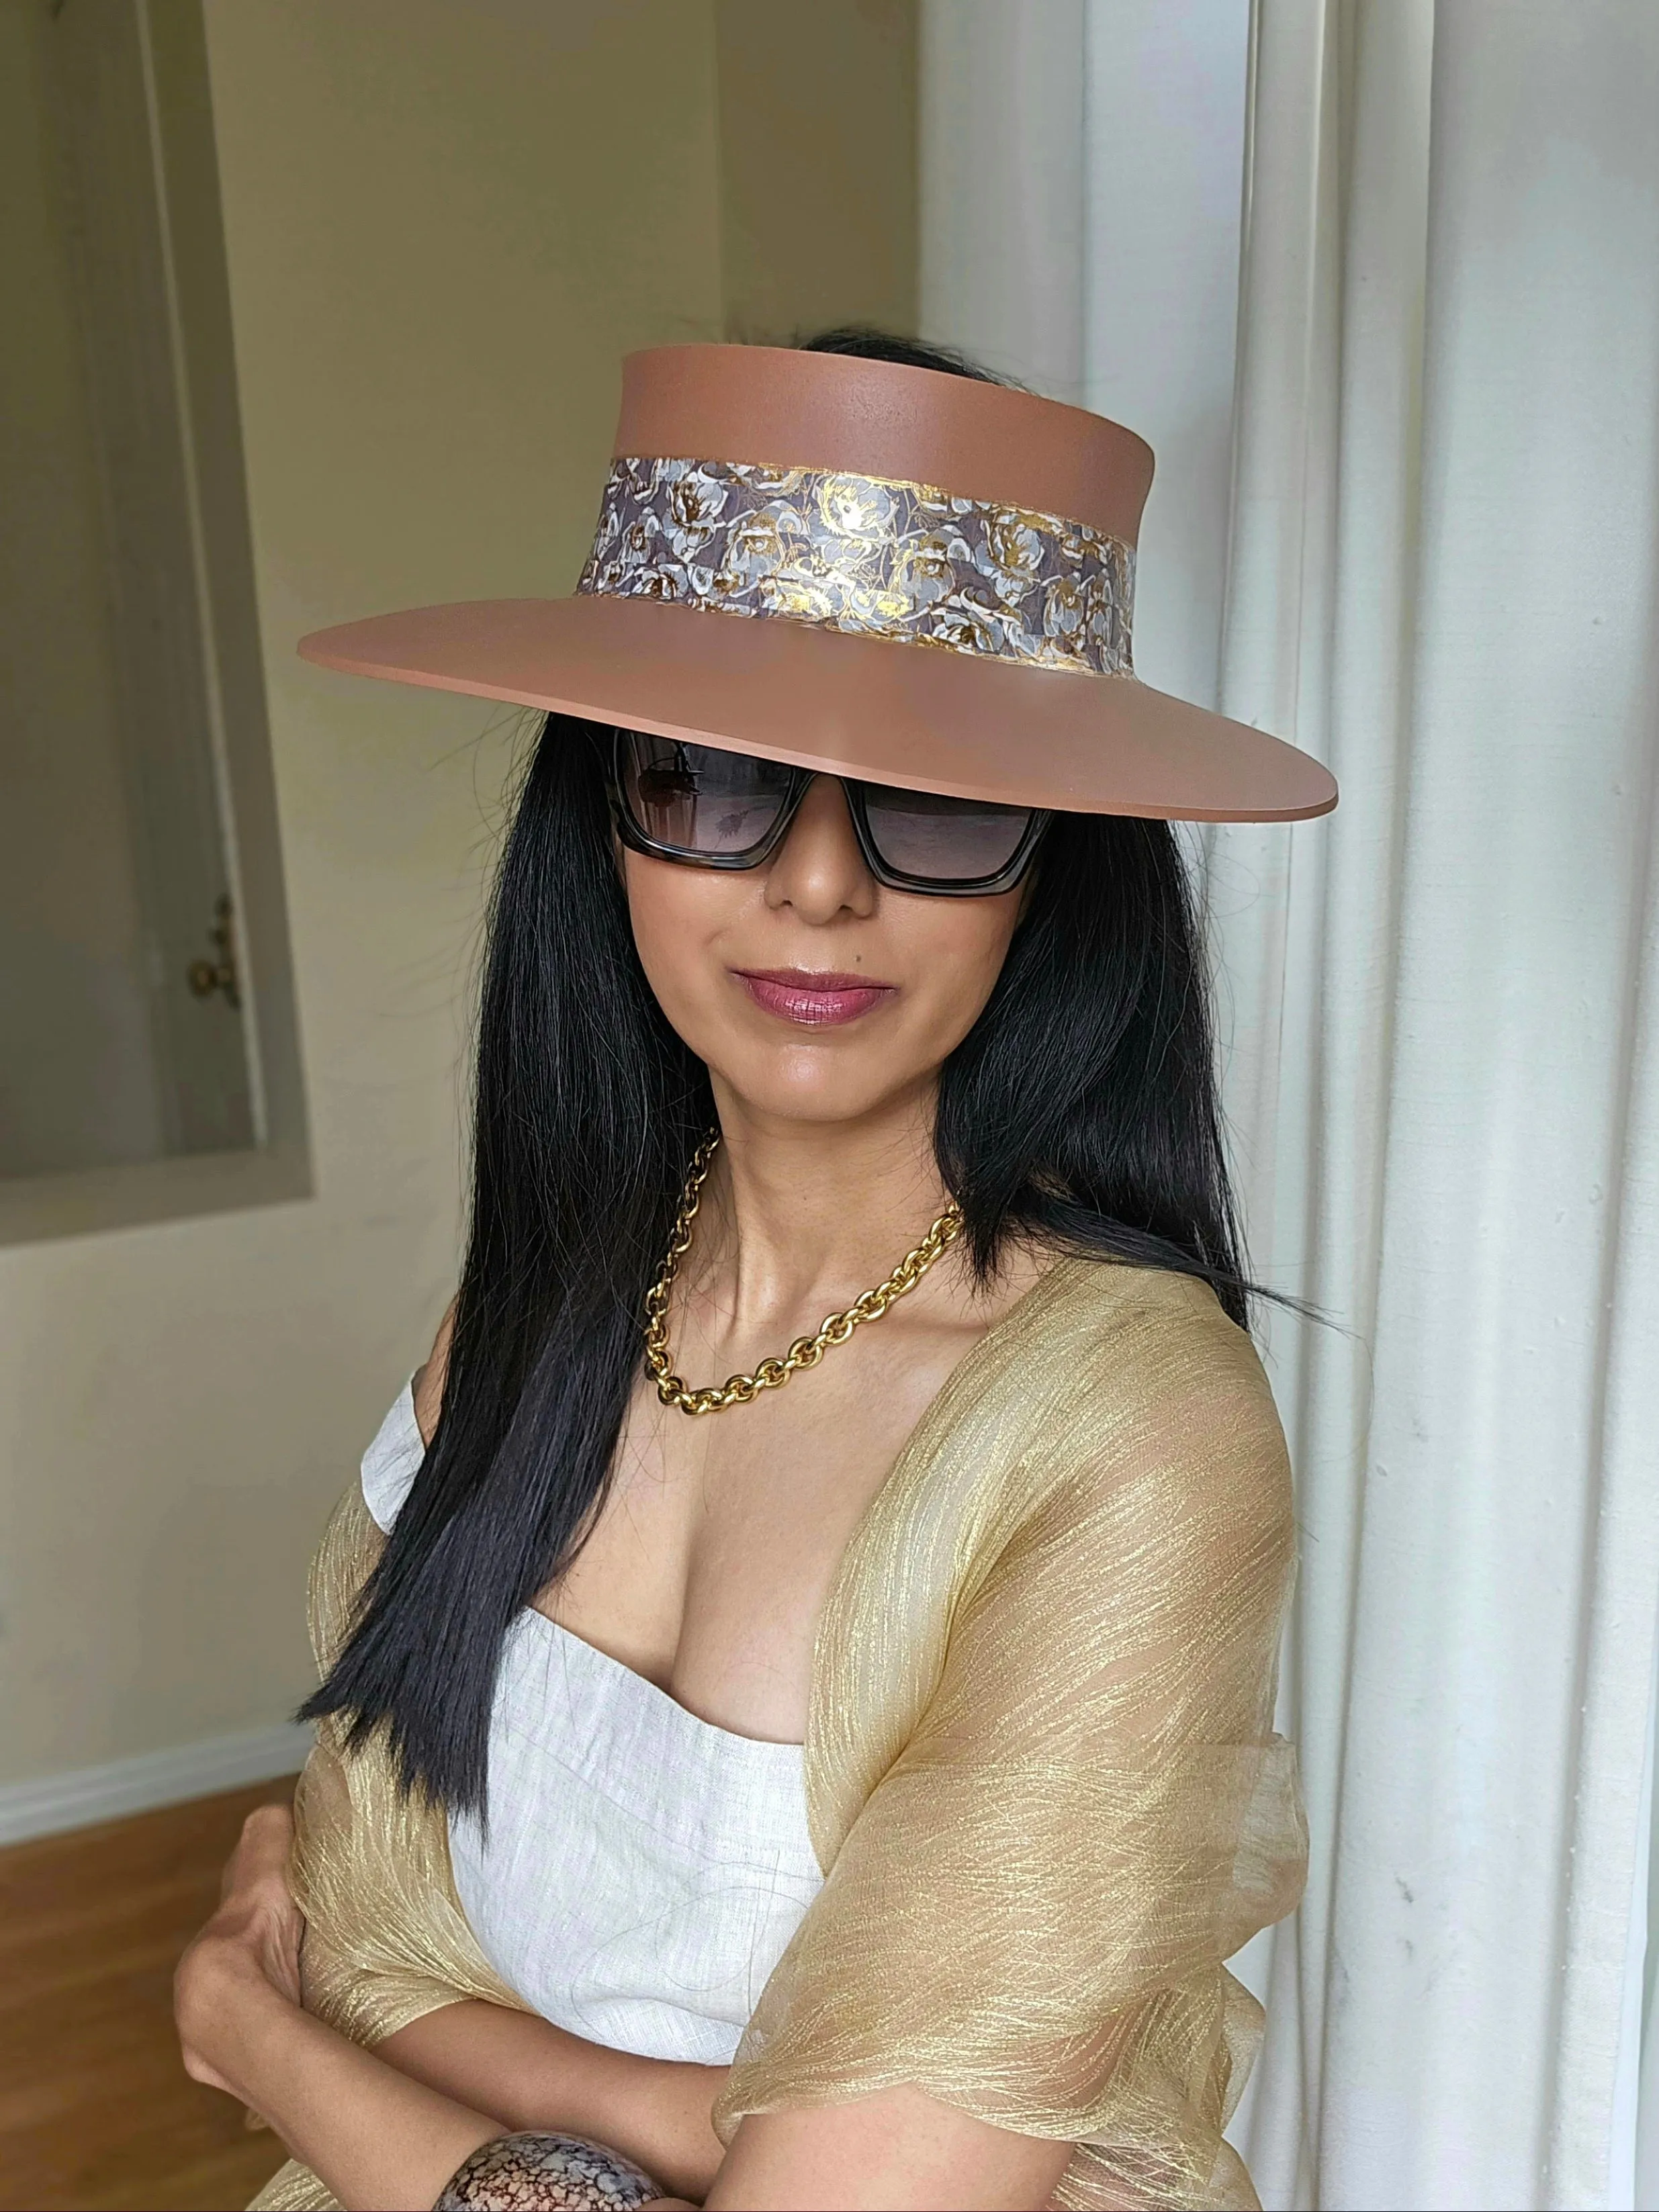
<point>87,1795</point>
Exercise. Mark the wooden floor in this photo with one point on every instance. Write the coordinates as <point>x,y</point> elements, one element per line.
<point>97,2113</point>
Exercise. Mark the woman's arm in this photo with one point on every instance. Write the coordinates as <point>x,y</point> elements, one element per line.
<point>897,2149</point>
<point>379,2141</point>
<point>391,2136</point>
<point>374,2137</point>
<point>530,2075</point>
<point>893,2150</point>
<point>461,2076</point>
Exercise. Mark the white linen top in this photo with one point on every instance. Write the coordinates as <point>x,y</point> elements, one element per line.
<point>640,1870</point>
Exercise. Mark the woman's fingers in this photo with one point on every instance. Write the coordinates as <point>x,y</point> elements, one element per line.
<point>256,1903</point>
<point>257,1925</point>
<point>260,1861</point>
<point>277,1935</point>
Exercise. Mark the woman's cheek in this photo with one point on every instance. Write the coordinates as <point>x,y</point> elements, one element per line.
<point>677,913</point>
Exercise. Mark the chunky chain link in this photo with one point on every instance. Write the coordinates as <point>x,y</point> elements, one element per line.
<point>806,1350</point>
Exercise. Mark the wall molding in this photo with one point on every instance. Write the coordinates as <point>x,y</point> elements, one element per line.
<point>85,1795</point>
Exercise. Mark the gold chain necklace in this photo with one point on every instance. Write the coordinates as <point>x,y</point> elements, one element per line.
<point>806,1350</point>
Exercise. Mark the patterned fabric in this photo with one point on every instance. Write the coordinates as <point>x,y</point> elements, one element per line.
<point>546,2174</point>
<point>899,561</point>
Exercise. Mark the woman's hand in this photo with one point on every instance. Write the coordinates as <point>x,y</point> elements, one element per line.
<point>249,1950</point>
<point>375,2136</point>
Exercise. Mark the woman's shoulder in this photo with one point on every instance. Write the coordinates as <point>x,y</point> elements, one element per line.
<point>358,1527</point>
<point>394,1459</point>
<point>388,1469</point>
<point>1105,1385</point>
<point>1112,1443</point>
<point>1113,1372</point>
<point>1142,1456</point>
<point>1114,1334</point>
<point>427,1390</point>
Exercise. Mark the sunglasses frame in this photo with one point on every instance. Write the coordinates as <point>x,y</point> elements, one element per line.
<point>855,788</point>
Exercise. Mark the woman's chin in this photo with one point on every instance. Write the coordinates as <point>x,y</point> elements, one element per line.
<point>804,1090</point>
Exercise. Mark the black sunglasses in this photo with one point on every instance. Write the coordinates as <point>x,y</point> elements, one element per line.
<point>713,808</point>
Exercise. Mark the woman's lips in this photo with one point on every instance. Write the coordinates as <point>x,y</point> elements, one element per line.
<point>795,994</point>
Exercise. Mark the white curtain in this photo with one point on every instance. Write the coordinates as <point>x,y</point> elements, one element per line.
<point>1442,1007</point>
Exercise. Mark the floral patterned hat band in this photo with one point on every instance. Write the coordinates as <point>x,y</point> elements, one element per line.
<point>849,508</point>
<point>874,554</point>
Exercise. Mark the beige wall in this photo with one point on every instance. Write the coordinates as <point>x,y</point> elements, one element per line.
<point>817,146</point>
<point>445,223</point>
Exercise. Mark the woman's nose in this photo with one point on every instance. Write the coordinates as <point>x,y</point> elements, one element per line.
<point>818,869</point>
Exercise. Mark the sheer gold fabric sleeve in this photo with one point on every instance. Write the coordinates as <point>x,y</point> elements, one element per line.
<point>1041,1770</point>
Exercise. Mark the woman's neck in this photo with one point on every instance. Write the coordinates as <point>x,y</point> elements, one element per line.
<point>807,1214</point>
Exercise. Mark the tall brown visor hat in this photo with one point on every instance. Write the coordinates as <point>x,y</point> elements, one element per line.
<point>876,571</point>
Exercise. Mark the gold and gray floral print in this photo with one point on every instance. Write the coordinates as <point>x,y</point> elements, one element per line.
<point>892,560</point>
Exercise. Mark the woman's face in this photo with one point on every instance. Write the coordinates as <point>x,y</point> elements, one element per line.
<point>814,993</point>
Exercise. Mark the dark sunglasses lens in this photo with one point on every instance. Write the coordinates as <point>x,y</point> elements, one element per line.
<point>943,840</point>
<point>697,799</point>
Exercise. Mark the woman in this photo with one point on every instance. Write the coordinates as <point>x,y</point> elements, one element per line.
<point>840,1785</point>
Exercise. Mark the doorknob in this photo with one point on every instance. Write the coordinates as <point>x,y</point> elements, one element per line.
<point>207,976</point>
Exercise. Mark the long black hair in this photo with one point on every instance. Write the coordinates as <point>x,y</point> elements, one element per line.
<point>1081,1111</point>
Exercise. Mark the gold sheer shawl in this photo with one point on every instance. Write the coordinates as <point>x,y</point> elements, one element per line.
<point>1040,1770</point>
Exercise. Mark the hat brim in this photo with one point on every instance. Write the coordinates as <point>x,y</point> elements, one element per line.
<point>927,718</point>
